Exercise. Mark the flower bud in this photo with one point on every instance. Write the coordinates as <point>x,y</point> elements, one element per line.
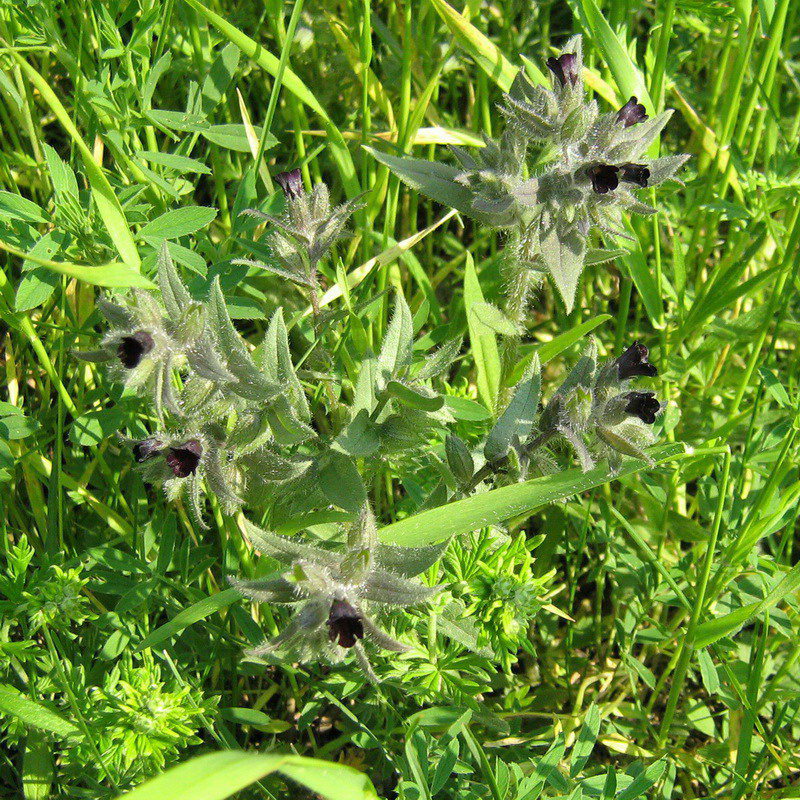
<point>631,113</point>
<point>459,459</point>
<point>633,362</point>
<point>564,68</point>
<point>292,184</point>
<point>147,448</point>
<point>635,173</point>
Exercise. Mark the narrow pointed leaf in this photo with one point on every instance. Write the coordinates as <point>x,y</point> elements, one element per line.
<point>516,422</point>
<point>396,348</point>
<point>483,342</point>
<point>215,776</point>
<point>499,505</point>
<point>108,204</point>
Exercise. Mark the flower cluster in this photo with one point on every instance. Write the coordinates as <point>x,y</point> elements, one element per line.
<point>598,415</point>
<point>303,235</point>
<point>332,592</point>
<point>593,410</point>
<point>235,422</point>
<point>589,167</point>
<point>218,403</point>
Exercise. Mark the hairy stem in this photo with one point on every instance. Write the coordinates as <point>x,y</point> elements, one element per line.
<point>491,467</point>
<point>519,280</point>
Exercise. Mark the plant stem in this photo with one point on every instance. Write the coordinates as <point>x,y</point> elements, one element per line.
<point>490,468</point>
<point>74,703</point>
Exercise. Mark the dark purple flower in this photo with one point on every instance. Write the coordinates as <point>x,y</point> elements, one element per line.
<point>147,448</point>
<point>604,177</point>
<point>291,183</point>
<point>184,458</point>
<point>565,68</point>
<point>634,362</point>
<point>643,405</point>
<point>631,113</point>
<point>635,173</point>
<point>133,348</point>
<point>344,624</point>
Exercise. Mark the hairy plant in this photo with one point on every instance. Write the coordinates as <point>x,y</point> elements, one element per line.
<point>235,425</point>
<point>332,592</point>
<point>303,234</point>
<point>588,168</point>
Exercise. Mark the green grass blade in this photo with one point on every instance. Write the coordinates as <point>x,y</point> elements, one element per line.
<point>114,276</point>
<point>219,775</point>
<point>499,505</point>
<point>484,345</point>
<point>627,76</point>
<point>267,61</point>
<point>197,611</point>
<point>34,714</point>
<point>486,54</point>
<point>107,203</point>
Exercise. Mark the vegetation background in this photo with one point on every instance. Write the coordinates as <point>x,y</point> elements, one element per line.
<point>639,639</point>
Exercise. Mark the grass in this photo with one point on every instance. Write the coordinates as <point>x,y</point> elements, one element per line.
<point>631,637</point>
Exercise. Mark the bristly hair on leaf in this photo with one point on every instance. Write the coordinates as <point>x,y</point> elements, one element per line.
<point>596,416</point>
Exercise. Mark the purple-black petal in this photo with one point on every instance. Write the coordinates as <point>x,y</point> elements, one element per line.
<point>133,348</point>
<point>604,177</point>
<point>292,184</point>
<point>633,362</point>
<point>635,173</point>
<point>344,624</point>
<point>631,113</point>
<point>183,459</point>
<point>565,68</point>
<point>643,405</point>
